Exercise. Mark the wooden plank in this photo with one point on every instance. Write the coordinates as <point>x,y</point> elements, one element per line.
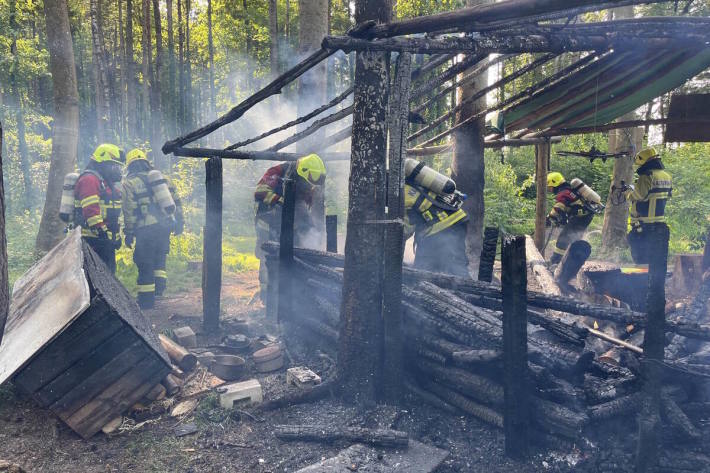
<point>89,331</point>
<point>212,249</point>
<point>46,299</point>
<point>117,397</point>
<point>285,268</point>
<point>542,162</point>
<point>89,364</point>
<point>95,383</point>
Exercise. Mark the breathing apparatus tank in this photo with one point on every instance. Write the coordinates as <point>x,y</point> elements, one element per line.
<point>421,174</point>
<point>66,205</point>
<point>161,192</point>
<point>590,198</point>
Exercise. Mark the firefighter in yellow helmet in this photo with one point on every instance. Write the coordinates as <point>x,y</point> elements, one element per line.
<point>150,214</point>
<point>438,224</point>
<point>309,174</point>
<point>569,212</point>
<point>648,199</point>
<point>97,202</point>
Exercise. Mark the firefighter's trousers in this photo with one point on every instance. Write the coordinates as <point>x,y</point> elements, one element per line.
<point>106,250</point>
<point>146,256</point>
<point>571,232</point>
<point>640,244</point>
<point>443,252</point>
<point>160,273</point>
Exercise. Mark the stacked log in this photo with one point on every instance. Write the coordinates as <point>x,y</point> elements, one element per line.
<point>453,334</point>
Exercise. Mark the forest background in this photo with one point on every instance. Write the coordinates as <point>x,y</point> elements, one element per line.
<point>149,70</point>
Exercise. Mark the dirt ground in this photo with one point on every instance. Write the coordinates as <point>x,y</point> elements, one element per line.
<point>231,441</point>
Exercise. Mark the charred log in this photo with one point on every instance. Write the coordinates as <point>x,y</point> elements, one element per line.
<point>328,434</point>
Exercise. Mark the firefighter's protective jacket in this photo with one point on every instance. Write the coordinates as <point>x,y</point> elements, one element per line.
<point>652,191</point>
<point>270,188</point>
<point>424,215</point>
<point>567,204</point>
<point>97,205</point>
<point>140,208</point>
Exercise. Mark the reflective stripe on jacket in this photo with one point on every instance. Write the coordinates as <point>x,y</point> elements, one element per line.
<point>567,204</point>
<point>648,199</point>
<point>422,214</point>
<point>139,206</point>
<point>97,206</point>
<point>269,189</point>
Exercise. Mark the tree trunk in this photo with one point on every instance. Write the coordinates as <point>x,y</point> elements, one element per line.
<point>169,110</point>
<point>100,74</point>
<point>188,70</point>
<point>468,166</point>
<point>122,122</point>
<point>616,216</point>
<point>542,161</point>
<point>66,119</point>
<point>273,37</point>
<point>4,282</point>
<point>360,345</point>
<point>131,84</point>
<point>181,72</point>
<point>156,96</point>
<point>313,26</point>
<point>210,49</point>
<point>146,71</point>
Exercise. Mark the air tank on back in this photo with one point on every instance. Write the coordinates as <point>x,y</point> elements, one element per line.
<point>66,205</point>
<point>584,191</point>
<point>161,192</point>
<point>424,176</point>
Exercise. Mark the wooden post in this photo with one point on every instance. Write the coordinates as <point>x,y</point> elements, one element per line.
<point>516,418</point>
<point>488,254</point>
<point>212,246</point>
<point>4,282</point>
<point>394,232</point>
<point>285,298</point>
<point>331,233</point>
<point>653,350</point>
<point>542,162</point>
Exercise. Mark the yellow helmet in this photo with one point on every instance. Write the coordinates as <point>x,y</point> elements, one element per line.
<point>555,179</point>
<point>644,156</point>
<point>312,169</point>
<point>107,153</point>
<point>134,155</point>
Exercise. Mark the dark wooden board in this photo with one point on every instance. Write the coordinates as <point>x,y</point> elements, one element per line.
<point>93,385</point>
<point>90,330</point>
<point>117,397</point>
<point>92,362</point>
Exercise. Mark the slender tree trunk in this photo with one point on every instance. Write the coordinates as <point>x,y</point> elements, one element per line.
<point>210,50</point>
<point>66,119</point>
<point>313,26</point>
<point>4,280</point>
<point>181,71</point>
<point>131,84</point>
<point>188,69</point>
<point>156,97</point>
<point>122,83</point>
<point>19,111</point>
<point>170,109</point>
<point>360,346</point>
<point>468,165</point>
<point>274,37</point>
<point>99,72</point>
<point>616,216</point>
<point>146,71</point>
<point>287,23</point>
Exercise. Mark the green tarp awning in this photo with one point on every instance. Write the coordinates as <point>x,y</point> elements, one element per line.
<point>604,90</point>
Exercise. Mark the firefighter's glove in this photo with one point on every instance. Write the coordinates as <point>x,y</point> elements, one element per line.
<point>129,240</point>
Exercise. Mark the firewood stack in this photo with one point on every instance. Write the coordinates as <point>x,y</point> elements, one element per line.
<point>454,358</point>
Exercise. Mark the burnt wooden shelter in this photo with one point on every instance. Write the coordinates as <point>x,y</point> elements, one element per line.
<point>584,97</point>
<point>76,341</point>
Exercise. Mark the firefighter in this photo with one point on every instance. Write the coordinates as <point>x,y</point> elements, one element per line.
<point>149,215</point>
<point>97,202</point>
<point>439,229</point>
<point>570,211</point>
<point>648,200</point>
<point>309,174</point>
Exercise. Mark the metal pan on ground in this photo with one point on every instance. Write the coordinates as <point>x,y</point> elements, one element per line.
<point>228,367</point>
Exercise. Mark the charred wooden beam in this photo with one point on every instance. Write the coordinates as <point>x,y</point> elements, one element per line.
<point>468,19</point>
<point>315,126</point>
<point>295,122</point>
<point>252,155</point>
<point>515,346</point>
<point>273,88</point>
<point>178,354</point>
<point>212,246</point>
<point>445,76</point>
<point>572,262</point>
<point>316,393</point>
<point>328,434</point>
<point>285,273</point>
<point>615,126</point>
<point>331,231</point>
<point>486,414</point>
<point>488,254</point>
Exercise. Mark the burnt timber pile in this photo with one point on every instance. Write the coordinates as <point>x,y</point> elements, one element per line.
<point>454,355</point>
<point>76,341</point>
